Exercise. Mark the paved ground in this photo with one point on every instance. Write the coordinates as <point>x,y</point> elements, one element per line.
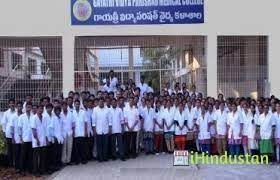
<point>161,167</point>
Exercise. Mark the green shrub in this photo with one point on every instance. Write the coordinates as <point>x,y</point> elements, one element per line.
<point>2,143</point>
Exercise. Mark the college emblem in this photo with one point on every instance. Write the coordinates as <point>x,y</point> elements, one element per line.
<point>82,10</point>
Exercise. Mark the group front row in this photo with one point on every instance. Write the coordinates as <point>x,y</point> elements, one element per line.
<point>41,139</point>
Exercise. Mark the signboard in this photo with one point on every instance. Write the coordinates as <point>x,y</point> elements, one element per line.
<point>136,12</point>
<point>181,158</point>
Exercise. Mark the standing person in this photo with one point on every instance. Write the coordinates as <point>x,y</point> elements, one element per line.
<point>212,129</point>
<point>158,134</point>
<point>67,124</point>
<point>28,99</point>
<point>235,128</point>
<point>247,120</point>
<point>220,121</point>
<point>191,113</point>
<point>6,122</point>
<point>203,122</point>
<point>277,131</point>
<point>57,125</point>
<point>117,119</point>
<point>102,127</point>
<point>131,118</point>
<point>39,141</point>
<point>168,119</point>
<point>16,136</point>
<point>180,119</point>
<point>89,140</point>
<point>113,81</point>
<point>26,139</point>
<point>148,127</point>
<point>79,133</point>
<point>50,149</point>
<point>252,141</point>
<point>266,125</point>
<point>143,86</point>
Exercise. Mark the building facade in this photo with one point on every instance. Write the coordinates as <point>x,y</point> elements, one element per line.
<point>235,51</point>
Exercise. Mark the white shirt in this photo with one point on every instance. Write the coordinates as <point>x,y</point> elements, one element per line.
<point>277,123</point>
<point>149,115</point>
<point>221,122</point>
<point>80,120</point>
<point>252,126</point>
<point>159,120</point>
<point>247,120</point>
<point>67,123</point>
<point>89,123</point>
<point>131,116</point>
<point>50,130</point>
<point>168,116</point>
<point>41,129</point>
<point>7,122</point>
<point>212,126</point>
<point>113,84</point>
<point>191,116</point>
<point>143,87</point>
<point>15,127</point>
<point>101,120</point>
<point>117,119</point>
<point>24,123</point>
<point>182,119</point>
<point>106,88</point>
<point>57,125</point>
<point>150,89</point>
<point>234,120</point>
<point>266,122</point>
<point>203,122</point>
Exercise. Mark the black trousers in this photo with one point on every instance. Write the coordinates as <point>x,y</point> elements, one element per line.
<point>89,145</point>
<point>17,149</point>
<point>57,154</point>
<point>102,147</point>
<point>50,153</point>
<point>39,160</point>
<point>130,144</point>
<point>80,150</point>
<point>26,156</point>
<point>117,142</point>
<point>10,152</point>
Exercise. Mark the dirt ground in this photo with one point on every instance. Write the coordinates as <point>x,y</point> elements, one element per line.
<point>10,174</point>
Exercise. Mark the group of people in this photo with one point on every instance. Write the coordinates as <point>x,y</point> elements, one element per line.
<point>126,120</point>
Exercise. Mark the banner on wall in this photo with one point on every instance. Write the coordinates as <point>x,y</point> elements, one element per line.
<point>136,12</point>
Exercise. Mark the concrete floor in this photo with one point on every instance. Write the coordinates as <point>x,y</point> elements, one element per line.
<point>161,167</point>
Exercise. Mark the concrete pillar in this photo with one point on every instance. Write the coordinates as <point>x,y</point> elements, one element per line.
<point>211,59</point>
<point>68,43</point>
<point>274,63</point>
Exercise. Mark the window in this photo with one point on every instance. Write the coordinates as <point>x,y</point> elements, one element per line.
<point>32,66</point>
<point>16,61</point>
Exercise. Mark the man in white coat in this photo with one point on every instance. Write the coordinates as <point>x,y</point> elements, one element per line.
<point>102,127</point>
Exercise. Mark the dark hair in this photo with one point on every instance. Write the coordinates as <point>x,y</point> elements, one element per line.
<point>28,104</point>
<point>19,103</point>
<point>77,100</point>
<point>12,100</point>
<point>49,105</point>
<point>57,108</point>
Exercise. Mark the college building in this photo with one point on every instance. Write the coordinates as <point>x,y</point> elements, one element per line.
<point>51,47</point>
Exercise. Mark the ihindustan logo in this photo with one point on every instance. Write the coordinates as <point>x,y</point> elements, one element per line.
<point>246,159</point>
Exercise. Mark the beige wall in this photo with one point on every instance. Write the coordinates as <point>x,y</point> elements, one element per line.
<point>222,17</point>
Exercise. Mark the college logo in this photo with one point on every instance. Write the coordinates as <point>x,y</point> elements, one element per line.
<point>82,10</point>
